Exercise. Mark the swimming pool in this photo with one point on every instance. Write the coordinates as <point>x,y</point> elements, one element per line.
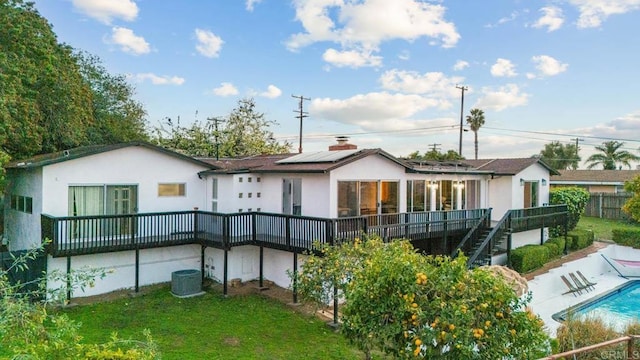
<point>618,307</point>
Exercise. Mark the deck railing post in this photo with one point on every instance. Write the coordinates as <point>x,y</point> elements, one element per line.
<point>287,231</point>
<point>195,225</point>
<point>254,230</point>
<point>329,230</point>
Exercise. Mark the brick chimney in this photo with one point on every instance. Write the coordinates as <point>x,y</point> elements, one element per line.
<point>343,144</point>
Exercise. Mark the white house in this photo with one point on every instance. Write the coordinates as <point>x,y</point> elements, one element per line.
<point>137,209</point>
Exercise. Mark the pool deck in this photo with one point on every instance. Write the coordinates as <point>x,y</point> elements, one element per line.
<point>548,290</point>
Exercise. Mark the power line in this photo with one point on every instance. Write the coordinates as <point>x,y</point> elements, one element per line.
<point>216,133</point>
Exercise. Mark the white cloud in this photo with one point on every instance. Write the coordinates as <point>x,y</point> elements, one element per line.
<point>251,4</point>
<point>159,80</point>
<point>128,41</point>
<point>460,65</point>
<point>531,76</point>
<point>548,66</point>
<point>434,84</point>
<point>503,68</point>
<point>502,98</point>
<point>225,89</point>
<point>514,15</point>
<point>594,12</point>
<point>364,25</point>
<point>373,110</point>
<point>209,44</point>
<point>404,55</point>
<point>552,18</point>
<point>272,92</point>
<point>351,58</point>
<point>107,10</point>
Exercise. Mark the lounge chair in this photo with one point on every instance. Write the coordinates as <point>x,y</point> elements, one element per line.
<point>572,288</point>
<point>579,284</point>
<point>585,280</point>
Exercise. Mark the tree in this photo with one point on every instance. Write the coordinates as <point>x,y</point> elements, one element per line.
<point>245,132</point>
<point>560,156</point>
<point>29,330</point>
<point>117,116</point>
<point>436,155</point>
<point>610,156</point>
<point>409,305</point>
<point>576,200</point>
<point>475,121</point>
<point>632,206</point>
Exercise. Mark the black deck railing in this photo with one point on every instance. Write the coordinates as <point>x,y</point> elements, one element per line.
<point>78,235</point>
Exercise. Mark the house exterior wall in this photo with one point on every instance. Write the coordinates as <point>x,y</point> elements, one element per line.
<point>156,266</point>
<point>501,190</point>
<point>22,230</point>
<point>537,173</point>
<point>143,167</point>
<point>314,193</point>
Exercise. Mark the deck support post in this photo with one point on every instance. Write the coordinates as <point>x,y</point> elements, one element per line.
<point>137,269</point>
<point>202,249</point>
<point>68,278</point>
<point>225,270</point>
<point>261,279</point>
<point>295,277</point>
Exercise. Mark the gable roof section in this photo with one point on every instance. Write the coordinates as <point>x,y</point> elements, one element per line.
<point>594,176</point>
<point>79,152</point>
<point>508,166</point>
<point>280,164</point>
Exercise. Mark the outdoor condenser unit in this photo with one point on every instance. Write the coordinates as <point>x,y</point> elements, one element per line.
<point>186,282</point>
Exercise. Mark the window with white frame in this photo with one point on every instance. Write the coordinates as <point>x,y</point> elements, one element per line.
<point>171,189</point>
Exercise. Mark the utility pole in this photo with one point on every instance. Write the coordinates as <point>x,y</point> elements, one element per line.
<point>301,115</point>
<point>215,132</point>
<point>463,89</point>
<point>434,147</point>
<point>577,139</point>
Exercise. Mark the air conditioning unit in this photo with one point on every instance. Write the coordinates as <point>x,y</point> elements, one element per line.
<point>186,283</point>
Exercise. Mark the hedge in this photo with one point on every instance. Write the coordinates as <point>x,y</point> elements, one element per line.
<point>559,241</point>
<point>529,257</point>
<point>554,250</point>
<point>627,237</point>
<point>580,238</point>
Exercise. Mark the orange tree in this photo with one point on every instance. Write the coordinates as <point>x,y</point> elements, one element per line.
<point>412,306</point>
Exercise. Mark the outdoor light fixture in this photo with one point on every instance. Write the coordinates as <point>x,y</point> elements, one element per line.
<point>521,182</point>
<point>459,184</point>
<point>544,182</point>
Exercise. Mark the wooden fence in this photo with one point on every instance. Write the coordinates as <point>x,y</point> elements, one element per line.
<point>607,206</point>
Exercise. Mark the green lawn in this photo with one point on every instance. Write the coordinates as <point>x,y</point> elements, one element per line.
<point>602,227</point>
<point>214,327</point>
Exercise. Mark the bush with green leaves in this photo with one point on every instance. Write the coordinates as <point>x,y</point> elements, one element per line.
<point>632,206</point>
<point>529,257</point>
<point>576,200</point>
<point>580,238</point>
<point>627,237</point>
<point>30,330</point>
<point>413,306</point>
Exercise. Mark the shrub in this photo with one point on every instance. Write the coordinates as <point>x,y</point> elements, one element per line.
<point>632,206</point>
<point>576,200</point>
<point>577,332</point>
<point>560,243</point>
<point>627,237</point>
<point>580,238</point>
<point>529,257</point>
<point>554,250</point>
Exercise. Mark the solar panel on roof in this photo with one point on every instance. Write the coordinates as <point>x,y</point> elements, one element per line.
<point>318,157</point>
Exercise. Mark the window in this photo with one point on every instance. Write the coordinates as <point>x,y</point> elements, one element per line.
<point>249,209</point>
<point>214,194</point>
<point>103,200</point>
<point>257,194</point>
<point>239,210</point>
<point>171,189</point>
<point>258,209</point>
<point>249,179</point>
<point>417,197</point>
<point>22,203</point>
<point>258,179</point>
<point>249,195</point>
<point>240,179</point>
<point>239,195</point>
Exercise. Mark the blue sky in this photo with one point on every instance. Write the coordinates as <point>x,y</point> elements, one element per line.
<point>382,72</point>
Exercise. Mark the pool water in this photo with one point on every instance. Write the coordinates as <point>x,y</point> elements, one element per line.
<point>618,307</point>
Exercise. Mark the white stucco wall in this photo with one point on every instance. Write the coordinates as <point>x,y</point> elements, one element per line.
<point>22,230</point>
<point>134,165</point>
<point>501,195</point>
<point>156,266</point>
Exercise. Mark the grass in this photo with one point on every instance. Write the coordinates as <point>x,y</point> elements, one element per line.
<point>214,327</point>
<point>602,227</point>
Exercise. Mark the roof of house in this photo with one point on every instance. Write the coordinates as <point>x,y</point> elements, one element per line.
<point>594,176</point>
<point>319,162</point>
<point>79,152</point>
<point>509,166</point>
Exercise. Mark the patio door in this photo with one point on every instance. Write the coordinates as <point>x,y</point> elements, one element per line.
<point>292,196</point>
<point>99,200</point>
<point>121,200</point>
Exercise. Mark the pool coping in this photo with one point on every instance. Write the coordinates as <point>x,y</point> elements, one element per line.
<point>561,316</point>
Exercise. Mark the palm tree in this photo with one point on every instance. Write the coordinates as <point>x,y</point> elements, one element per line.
<point>611,156</point>
<point>475,121</point>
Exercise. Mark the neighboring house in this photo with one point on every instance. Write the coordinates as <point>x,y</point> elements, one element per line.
<point>145,211</point>
<point>595,181</point>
